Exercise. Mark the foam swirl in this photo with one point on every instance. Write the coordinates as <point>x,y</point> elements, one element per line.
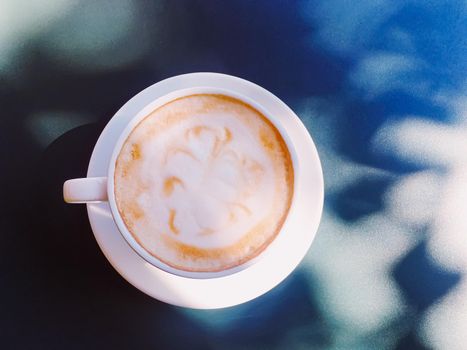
<point>204,182</point>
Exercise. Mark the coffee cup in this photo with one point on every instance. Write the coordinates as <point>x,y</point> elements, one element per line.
<point>200,184</point>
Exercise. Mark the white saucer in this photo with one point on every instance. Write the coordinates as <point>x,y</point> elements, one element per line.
<point>239,287</point>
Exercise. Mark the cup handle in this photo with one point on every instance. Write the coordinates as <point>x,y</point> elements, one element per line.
<point>85,190</point>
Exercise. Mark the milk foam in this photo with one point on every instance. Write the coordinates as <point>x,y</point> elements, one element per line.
<point>204,182</point>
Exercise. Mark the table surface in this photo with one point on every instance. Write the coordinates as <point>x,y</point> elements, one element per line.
<point>381,87</point>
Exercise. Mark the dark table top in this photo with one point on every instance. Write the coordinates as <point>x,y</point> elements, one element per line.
<point>382,88</point>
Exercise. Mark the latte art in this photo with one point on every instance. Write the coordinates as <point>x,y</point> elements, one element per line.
<point>204,183</point>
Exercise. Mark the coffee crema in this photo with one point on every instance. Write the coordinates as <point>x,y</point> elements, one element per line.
<point>204,183</point>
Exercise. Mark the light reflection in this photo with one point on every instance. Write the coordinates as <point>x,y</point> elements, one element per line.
<point>45,127</point>
<point>101,209</point>
<point>100,35</point>
<point>413,200</point>
<point>383,72</point>
<point>444,324</point>
<point>353,264</point>
<point>322,116</point>
<point>21,20</point>
<point>448,243</point>
<point>423,142</point>
<point>350,264</point>
<point>348,26</point>
<point>436,198</point>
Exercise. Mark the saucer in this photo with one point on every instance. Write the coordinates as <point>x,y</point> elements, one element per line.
<point>300,227</point>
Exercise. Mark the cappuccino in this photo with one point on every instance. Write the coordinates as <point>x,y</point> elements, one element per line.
<point>204,183</point>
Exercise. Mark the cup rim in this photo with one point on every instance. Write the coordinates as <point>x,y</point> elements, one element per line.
<point>140,116</point>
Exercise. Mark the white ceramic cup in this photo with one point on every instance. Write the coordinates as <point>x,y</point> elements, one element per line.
<point>99,189</point>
